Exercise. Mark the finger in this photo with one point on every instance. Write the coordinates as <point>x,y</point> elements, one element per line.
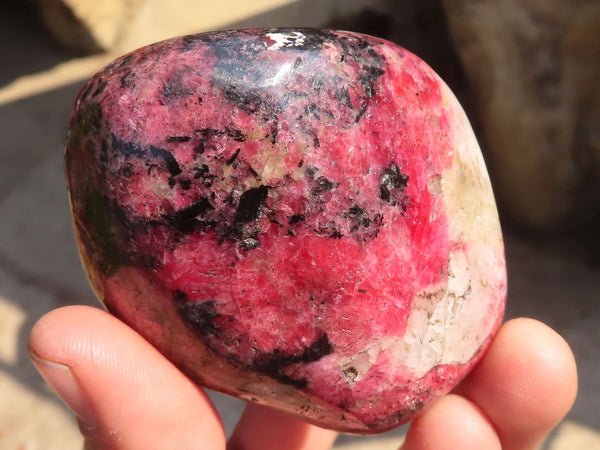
<point>525,384</point>
<point>453,422</point>
<point>263,428</point>
<point>126,394</point>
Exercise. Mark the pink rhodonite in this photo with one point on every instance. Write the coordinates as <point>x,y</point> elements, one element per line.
<point>300,218</point>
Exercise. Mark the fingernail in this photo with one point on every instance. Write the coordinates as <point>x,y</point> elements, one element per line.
<point>61,379</point>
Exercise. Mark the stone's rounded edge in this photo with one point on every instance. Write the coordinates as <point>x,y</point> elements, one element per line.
<point>471,202</point>
<point>188,40</point>
<point>181,355</point>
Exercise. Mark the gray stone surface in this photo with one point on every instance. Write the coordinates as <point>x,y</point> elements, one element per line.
<point>40,271</point>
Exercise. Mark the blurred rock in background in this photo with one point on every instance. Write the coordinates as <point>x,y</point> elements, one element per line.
<point>533,68</point>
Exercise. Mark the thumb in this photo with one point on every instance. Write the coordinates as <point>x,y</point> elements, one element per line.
<point>125,393</point>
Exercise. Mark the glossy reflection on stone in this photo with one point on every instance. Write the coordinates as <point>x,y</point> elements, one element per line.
<point>300,218</point>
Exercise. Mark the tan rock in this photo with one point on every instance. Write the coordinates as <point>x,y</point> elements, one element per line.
<point>534,66</point>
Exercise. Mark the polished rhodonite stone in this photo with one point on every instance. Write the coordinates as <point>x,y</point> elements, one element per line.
<point>300,218</point>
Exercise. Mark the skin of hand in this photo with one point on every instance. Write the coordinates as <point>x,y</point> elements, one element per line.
<point>128,396</point>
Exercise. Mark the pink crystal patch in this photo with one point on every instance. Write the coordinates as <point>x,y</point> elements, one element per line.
<point>297,217</point>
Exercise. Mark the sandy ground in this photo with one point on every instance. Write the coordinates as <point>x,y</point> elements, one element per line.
<point>40,269</point>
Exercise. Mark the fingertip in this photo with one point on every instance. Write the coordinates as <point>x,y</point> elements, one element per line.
<point>264,428</point>
<point>452,422</point>
<point>42,338</point>
<point>526,383</point>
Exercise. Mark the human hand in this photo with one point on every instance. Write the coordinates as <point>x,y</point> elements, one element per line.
<point>128,396</point>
